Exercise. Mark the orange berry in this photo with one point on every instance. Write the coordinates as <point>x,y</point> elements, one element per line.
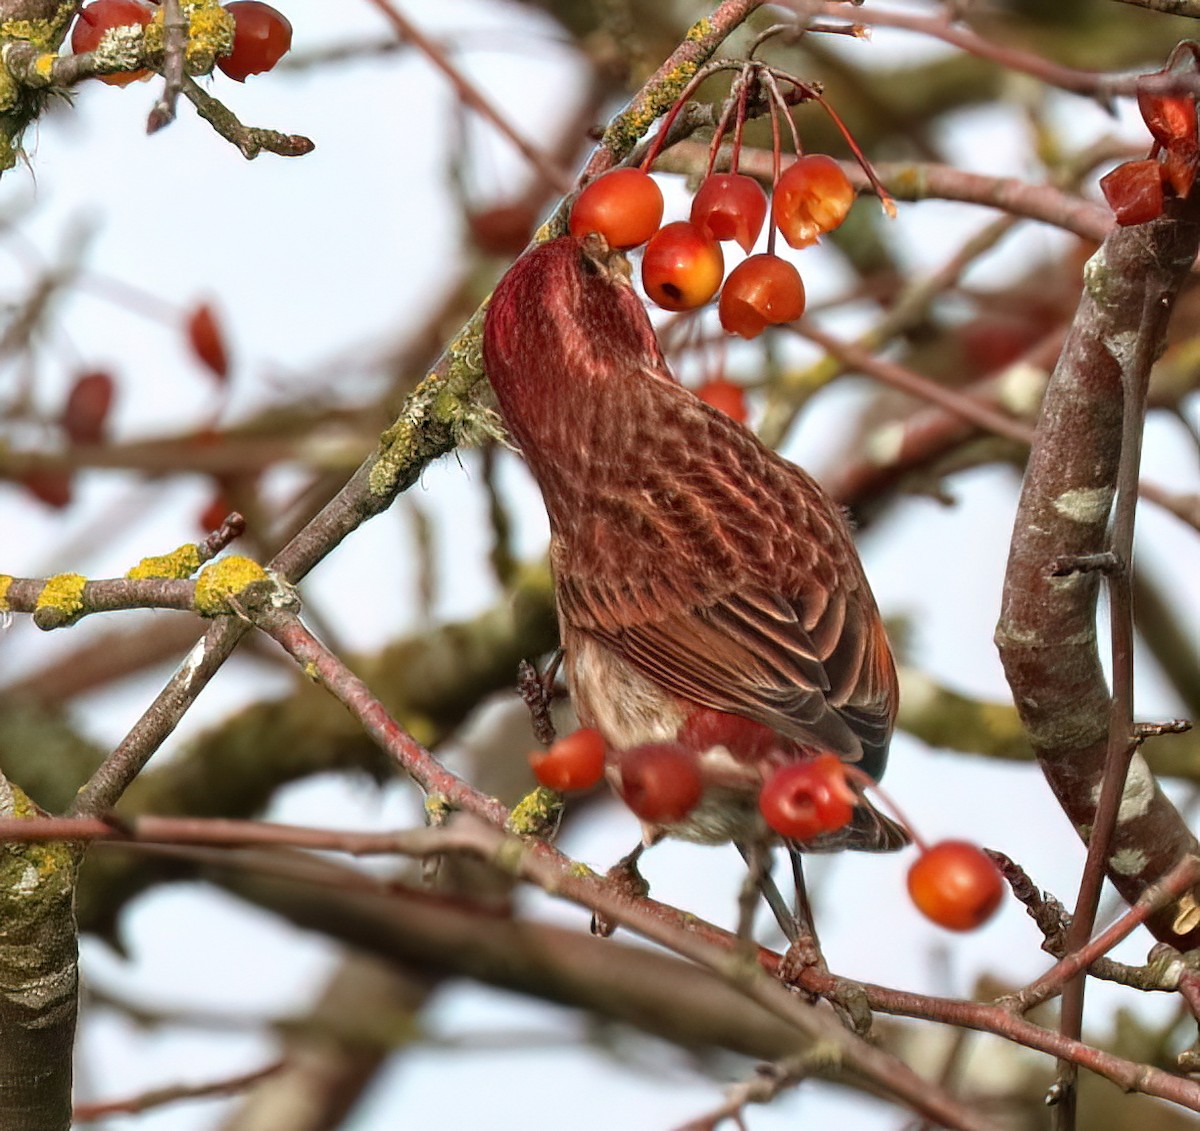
<point>802,800</point>
<point>625,206</point>
<point>262,36</point>
<point>573,762</point>
<point>955,884</point>
<point>731,400</point>
<point>811,197</point>
<point>730,206</point>
<point>660,781</point>
<point>682,267</point>
<point>761,291</point>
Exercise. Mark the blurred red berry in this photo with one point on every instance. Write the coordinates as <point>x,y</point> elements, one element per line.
<point>811,197</point>
<point>726,396</point>
<point>262,36</point>
<point>102,16</point>
<point>761,291</point>
<point>573,762</point>
<point>955,884</point>
<point>659,781</point>
<point>51,486</point>
<point>85,415</point>
<point>625,206</point>
<point>682,267</point>
<point>214,514</point>
<point>802,800</point>
<point>207,341</point>
<point>730,206</point>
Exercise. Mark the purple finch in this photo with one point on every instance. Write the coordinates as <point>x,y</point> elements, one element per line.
<point>708,591</point>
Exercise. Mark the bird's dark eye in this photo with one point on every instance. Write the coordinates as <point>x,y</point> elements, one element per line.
<point>588,265</point>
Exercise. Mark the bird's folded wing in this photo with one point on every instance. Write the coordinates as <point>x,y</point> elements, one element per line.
<point>750,654</point>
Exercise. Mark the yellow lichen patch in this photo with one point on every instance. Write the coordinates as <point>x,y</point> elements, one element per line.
<point>536,814</point>
<point>43,65</point>
<point>223,579</point>
<point>5,581</point>
<point>437,809</point>
<point>61,601</point>
<point>47,33</point>
<point>36,883</point>
<point>179,563</point>
<point>910,182</point>
<point>396,445</point>
<point>209,34</point>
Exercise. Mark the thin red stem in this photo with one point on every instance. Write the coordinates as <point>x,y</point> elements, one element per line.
<point>660,138</point>
<point>739,126</point>
<point>885,197</point>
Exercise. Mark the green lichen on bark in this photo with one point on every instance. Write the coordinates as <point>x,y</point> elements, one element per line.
<point>537,814</point>
<point>44,24</point>
<point>440,414</point>
<point>209,34</point>
<point>38,975</point>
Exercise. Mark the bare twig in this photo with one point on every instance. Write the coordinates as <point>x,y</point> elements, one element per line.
<point>683,933</point>
<point>250,140</point>
<point>471,96</point>
<point>160,1097</point>
<point>175,30</point>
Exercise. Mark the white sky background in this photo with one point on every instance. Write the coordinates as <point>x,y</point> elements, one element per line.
<point>350,244</point>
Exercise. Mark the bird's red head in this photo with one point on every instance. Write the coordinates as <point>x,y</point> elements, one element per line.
<point>563,326</point>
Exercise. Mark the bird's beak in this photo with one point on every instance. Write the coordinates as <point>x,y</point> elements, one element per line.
<point>612,264</point>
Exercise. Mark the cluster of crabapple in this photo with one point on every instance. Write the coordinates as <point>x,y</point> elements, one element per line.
<point>262,35</point>
<point>953,882</point>
<point>683,265</point>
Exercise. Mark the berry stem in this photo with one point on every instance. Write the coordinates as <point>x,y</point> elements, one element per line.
<point>778,99</point>
<point>885,197</point>
<point>863,782</point>
<point>722,126</point>
<point>772,230</point>
<point>685,95</point>
<point>740,125</point>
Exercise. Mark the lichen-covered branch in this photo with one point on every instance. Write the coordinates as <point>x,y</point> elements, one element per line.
<point>38,975</point>
<point>184,38</point>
